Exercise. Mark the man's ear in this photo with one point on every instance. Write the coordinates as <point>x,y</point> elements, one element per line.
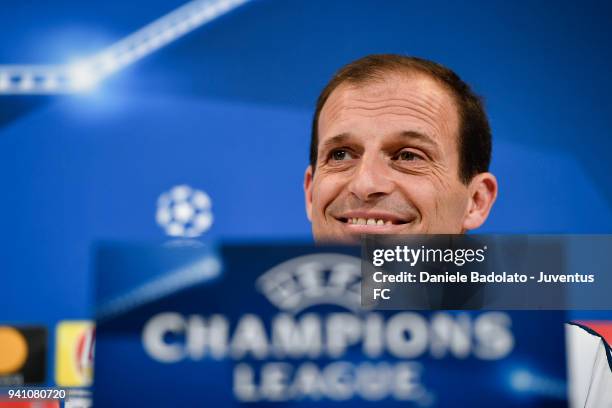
<point>483,192</point>
<point>308,191</point>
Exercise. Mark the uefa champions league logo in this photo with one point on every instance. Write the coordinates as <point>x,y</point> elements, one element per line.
<point>311,280</point>
<point>184,212</point>
<point>302,353</point>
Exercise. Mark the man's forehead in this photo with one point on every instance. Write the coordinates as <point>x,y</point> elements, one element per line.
<point>413,98</point>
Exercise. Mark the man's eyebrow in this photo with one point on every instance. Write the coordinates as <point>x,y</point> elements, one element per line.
<point>335,140</point>
<point>422,137</point>
<point>407,134</point>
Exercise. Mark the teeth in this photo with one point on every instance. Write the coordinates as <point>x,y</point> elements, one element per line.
<point>368,221</point>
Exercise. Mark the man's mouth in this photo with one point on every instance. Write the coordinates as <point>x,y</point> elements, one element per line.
<point>372,221</point>
<point>366,221</point>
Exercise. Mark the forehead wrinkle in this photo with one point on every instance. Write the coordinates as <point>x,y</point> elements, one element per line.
<point>424,115</point>
<point>398,110</point>
<point>332,106</point>
<point>426,100</point>
<point>430,105</point>
<point>407,86</point>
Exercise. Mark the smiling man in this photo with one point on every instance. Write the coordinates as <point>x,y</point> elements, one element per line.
<point>399,145</point>
<point>402,145</point>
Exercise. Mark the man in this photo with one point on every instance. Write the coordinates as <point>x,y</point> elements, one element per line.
<point>399,145</point>
<point>402,145</point>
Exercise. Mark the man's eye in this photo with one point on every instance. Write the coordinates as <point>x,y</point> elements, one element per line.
<point>340,154</point>
<point>407,155</point>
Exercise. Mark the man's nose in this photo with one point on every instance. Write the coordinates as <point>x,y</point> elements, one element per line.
<point>371,179</point>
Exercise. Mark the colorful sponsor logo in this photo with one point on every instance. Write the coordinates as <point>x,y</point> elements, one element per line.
<point>74,354</point>
<point>23,353</point>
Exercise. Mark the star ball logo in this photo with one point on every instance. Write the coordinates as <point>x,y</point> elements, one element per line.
<point>184,212</point>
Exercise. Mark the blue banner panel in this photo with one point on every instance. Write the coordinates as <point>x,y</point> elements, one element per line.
<point>282,325</point>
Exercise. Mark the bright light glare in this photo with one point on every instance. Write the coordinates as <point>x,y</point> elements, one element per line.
<point>82,77</point>
<point>522,380</point>
<point>50,83</point>
<point>4,82</point>
<point>109,63</point>
<point>87,74</point>
<point>27,82</point>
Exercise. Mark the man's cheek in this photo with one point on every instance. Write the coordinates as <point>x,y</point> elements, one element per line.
<point>325,191</point>
<point>318,194</point>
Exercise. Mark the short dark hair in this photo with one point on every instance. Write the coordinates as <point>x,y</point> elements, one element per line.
<point>474,141</point>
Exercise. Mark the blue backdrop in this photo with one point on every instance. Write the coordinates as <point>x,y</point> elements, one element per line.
<point>227,110</point>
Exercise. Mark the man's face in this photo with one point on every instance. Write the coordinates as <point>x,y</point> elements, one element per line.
<point>388,162</point>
